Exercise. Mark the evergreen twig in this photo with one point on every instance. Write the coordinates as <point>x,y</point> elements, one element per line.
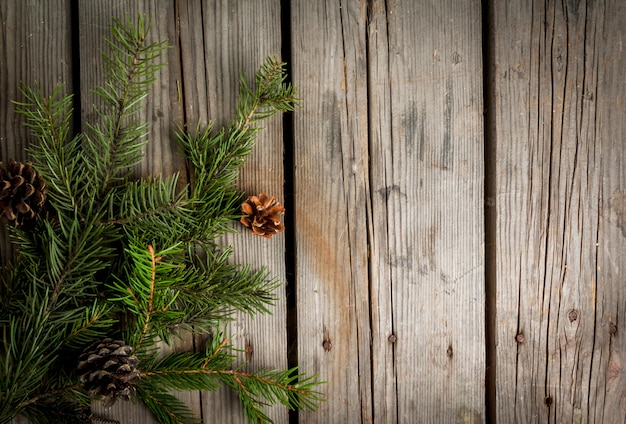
<point>114,256</point>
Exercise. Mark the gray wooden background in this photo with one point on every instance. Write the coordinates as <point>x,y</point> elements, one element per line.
<point>455,184</point>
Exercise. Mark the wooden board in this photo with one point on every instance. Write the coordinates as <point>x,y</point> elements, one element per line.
<point>427,236</point>
<point>220,39</point>
<point>162,110</point>
<point>36,48</point>
<point>560,183</point>
<point>388,191</point>
<point>331,201</point>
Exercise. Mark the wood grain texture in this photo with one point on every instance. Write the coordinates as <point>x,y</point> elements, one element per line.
<point>35,47</point>
<point>331,200</point>
<point>162,110</point>
<point>221,39</point>
<point>427,211</point>
<point>559,91</point>
<point>384,375</point>
<point>389,192</point>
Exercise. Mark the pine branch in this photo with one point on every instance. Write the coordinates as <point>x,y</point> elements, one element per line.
<point>115,143</point>
<point>147,292</point>
<point>149,311</point>
<point>216,289</point>
<point>272,95</point>
<point>29,348</point>
<point>49,394</point>
<point>90,259</point>
<point>173,294</point>
<point>165,407</point>
<point>205,371</point>
<point>138,201</point>
<point>271,385</point>
<point>54,411</point>
<point>217,158</point>
<point>75,253</point>
<point>59,159</point>
<point>95,325</point>
<point>153,210</point>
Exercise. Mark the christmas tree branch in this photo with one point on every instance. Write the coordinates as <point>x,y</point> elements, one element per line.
<point>67,268</point>
<point>271,95</point>
<point>147,292</point>
<point>154,210</point>
<point>95,325</point>
<point>165,407</point>
<point>77,251</point>
<point>21,357</point>
<point>58,158</point>
<point>90,295</point>
<point>217,158</point>
<point>115,143</point>
<point>205,371</point>
<point>149,311</point>
<point>49,394</point>
<point>140,201</point>
<point>274,381</point>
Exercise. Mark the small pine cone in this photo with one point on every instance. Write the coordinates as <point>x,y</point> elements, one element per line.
<point>108,370</point>
<point>22,192</point>
<point>262,215</point>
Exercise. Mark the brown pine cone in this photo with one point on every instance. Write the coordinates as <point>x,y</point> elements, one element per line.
<point>262,215</point>
<point>22,192</point>
<point>108,370</point>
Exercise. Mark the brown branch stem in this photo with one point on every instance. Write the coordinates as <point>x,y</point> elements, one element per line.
<point>235,374</point>
<point>48,394</point>
<point>149,312</point>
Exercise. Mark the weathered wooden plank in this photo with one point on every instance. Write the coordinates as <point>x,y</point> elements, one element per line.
<point>427,232</point>
<point>559,113</point>
<point>331,201</point>
<point>36,48</point>
<point>219,40</point>
<point>383,338</point>
<point>162,110</point>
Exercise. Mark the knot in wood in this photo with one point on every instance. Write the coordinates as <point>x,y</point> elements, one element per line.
<point>548,401</point>
<point>327,345</point>
<point>613,330</point>
<point>572,315</point>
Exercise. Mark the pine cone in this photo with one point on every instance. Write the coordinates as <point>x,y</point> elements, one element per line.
<point>262,215</point>
<point>22,192</point>
<point>108,369</point>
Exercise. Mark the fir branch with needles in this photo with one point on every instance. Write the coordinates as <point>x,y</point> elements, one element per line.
<point>214,367</point>
<point>113,264</point>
